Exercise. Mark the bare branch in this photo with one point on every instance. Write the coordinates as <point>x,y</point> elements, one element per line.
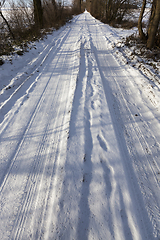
<point>2,3</point>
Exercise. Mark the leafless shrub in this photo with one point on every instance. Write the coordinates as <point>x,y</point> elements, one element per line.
<point>110,11</point>
<point>55,14</point>
<point>21,20</point>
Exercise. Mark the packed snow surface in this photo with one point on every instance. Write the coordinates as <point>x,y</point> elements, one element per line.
<point>79,140</point>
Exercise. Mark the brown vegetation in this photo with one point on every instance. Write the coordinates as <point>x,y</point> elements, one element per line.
<point>27,22</point>
<point>109,11</point>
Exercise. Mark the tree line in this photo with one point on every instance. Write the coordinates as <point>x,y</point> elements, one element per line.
<point>39,12</point>
<point>29,20</point>
<point>108,11</point>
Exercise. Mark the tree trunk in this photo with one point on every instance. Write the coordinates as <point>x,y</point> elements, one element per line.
<point>55,8</point>
<point>154,27</point>
<point>54,5</point>
<point>38,13</point>
<point>141,33</point>
<point>7,25</point>
<point>80,6</point>
<point>153,9</point>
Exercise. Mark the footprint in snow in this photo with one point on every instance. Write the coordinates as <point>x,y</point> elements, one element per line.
<point>102,143</point>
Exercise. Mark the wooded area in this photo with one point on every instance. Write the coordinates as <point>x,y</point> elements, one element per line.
<point>48,13</point>
<point>114,11</point>
<point>110,11</point>
<point>29,20</point>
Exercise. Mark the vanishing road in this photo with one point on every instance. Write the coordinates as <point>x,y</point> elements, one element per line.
<point>80,145</point>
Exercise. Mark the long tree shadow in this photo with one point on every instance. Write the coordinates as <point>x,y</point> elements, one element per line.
<point>84,214</point>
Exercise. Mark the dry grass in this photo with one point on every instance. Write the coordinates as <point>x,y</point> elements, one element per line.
<point>21,21</point>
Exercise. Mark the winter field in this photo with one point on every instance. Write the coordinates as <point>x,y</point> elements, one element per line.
<point>79,138</point>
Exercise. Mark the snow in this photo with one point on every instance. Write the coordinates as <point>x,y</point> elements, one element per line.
<point>79,138</point>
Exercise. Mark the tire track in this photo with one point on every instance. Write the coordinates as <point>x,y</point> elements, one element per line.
<point>35,177</point>
<point>33,76</point>
<point>45,52</point>
<point>33,114</point>
<point>56,172</point>
<point>13,159</point>
<point>39,60</point>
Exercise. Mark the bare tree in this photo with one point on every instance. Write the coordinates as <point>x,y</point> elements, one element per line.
<point>152,14</point>
<point>141,33</point>
<point>55,7</point>
<point>77,4</point>
<point>5,20</point>
<point>109,10</point>
<point>153,25</point>
<point>38,13</point>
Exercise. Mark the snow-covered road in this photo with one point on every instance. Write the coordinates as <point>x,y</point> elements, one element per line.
<point>80,144</point>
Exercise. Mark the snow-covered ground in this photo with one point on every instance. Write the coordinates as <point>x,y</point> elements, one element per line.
<point>79,139</point>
